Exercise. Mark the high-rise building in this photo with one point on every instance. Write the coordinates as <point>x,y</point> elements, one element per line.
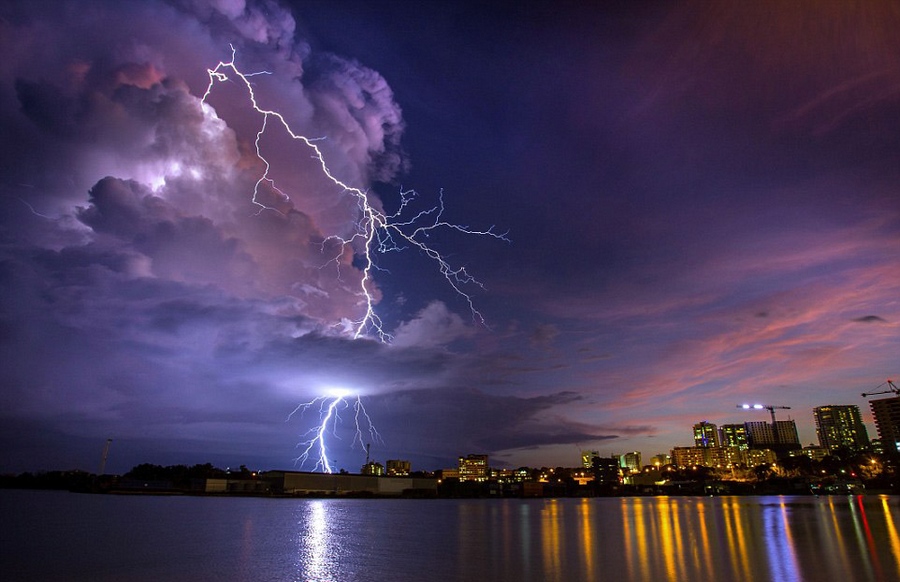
<point>841,426</point>
<point>887,421</point>
<point>780,436</point>
<point>759,434</point>
<point>473,468</point>
<point>733,435</point>
<point>786,434</point>
<point>706,435</point>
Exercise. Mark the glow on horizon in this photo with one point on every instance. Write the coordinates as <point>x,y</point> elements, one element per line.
<point>313,445</point>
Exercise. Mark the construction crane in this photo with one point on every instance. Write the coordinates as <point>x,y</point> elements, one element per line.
<point>771,408</point>
<point>768,407</point>
<point>891,388</point>
<point>103,458</point>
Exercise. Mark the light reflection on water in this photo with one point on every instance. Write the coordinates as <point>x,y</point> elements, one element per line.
<point>779,545</point>
<point>316,552</point>
<point>60,536</point>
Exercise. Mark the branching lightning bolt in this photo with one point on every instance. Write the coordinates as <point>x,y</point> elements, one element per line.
<point>375,230</point>
<point>314,446</point>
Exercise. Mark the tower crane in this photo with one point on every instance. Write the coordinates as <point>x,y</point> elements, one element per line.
<point>891,388</point>
<point>771,408</point>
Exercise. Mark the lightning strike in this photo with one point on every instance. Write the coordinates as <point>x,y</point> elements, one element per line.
<point>33,211</point>
<point>375,231</point>
<point>329,409</point>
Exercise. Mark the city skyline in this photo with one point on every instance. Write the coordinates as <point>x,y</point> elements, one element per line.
<point>706,435</point>
<point>698,210</point>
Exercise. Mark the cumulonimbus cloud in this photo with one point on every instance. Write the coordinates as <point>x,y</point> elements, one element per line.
<point>115,134</point>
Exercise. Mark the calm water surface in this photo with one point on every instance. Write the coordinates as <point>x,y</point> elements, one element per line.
<point>67,536</point>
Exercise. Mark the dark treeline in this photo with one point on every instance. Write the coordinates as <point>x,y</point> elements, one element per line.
<point>63,480</point>
<point>178,476</point>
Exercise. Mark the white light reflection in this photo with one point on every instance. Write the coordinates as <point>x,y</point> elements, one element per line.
<point>315,561</point>
<point>779,544</point>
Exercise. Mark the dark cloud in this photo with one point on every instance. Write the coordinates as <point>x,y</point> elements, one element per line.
<point>870,319</point>
<point>543,335</point>
<point>458,421</point>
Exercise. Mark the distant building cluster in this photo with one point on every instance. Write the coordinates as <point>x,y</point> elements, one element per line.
<point>737,446</point>
<point>747,445</point>
<point>839,428</point>
<point>392,468</point>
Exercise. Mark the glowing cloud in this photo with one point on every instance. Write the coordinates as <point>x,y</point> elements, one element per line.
<point>313,448</point>
<point>375,230</point>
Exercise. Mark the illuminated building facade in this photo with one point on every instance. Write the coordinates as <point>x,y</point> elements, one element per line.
<point>690,456</point>
<point>813,452</point>
<point>661,460</point>
<point>841,426</point>
<point>757,457</point>
<point>631,461</point>
<point>519,475</point>
<point>733,435</point>
<point>706,435</point>
<point>473,468</point>
<point>887,421</point>
<point>717,457</point>
<point>587,458</point>
<point>372,468</point>
<point>730,456</point>
<point>397,468</point>
<point>582,476</point>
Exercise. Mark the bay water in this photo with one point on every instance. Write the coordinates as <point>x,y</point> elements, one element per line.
<point>48,535</point>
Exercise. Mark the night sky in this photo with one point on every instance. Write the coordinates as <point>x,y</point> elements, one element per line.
<point>702,201</point>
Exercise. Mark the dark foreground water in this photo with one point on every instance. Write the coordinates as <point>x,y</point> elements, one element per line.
<point>68,536</point>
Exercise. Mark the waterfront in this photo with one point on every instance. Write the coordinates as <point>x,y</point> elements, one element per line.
<point>65,536</point>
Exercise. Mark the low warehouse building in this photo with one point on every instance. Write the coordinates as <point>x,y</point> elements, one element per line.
<point>305,483</point>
